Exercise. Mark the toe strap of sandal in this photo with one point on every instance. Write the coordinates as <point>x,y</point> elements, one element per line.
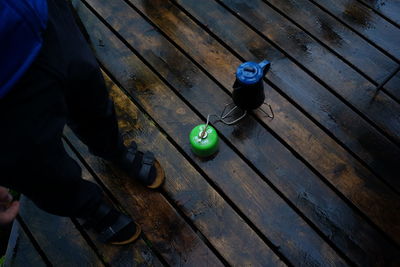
<point>117,226</point>
<point>132,151</point>
<point>147,163</point>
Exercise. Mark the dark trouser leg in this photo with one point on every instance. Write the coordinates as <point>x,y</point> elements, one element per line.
<point>32,157</point>
<point>91,112</point>
<point>32,116</point>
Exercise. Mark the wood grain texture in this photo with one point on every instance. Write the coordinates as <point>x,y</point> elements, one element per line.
<point>57,236</point>
<point>20,250</point>
<point>163,59</point>
<point>349,128</point>
<point>389,9</point>
<point>234,177</point>
<point>293,135</point>
<point>166,231</point>
<point>137,253</point>
<point>348,44</point>
<point>216,220</point>
<point>394,84</point>
<point>341,78</point>
<point>364,203</point>
<point>367,23</point>
<point>317,186</point>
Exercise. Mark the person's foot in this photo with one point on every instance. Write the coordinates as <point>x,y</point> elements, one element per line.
<point>113,226</point>
<point>141,166</point>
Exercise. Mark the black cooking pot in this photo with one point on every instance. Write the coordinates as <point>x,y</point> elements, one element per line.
<point>248,89</point>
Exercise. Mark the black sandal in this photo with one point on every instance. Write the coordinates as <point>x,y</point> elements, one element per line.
<point>114,227</point>
<point>143,167</point>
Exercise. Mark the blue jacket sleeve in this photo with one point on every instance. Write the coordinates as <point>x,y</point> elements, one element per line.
<point>22,23</point>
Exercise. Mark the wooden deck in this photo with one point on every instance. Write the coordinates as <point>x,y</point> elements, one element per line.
<point>319,185</point>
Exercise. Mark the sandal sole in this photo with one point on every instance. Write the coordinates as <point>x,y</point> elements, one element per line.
<point>160,176</point>
<point>130,240</point>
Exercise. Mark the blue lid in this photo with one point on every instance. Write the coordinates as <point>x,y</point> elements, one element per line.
<point>249,72</point>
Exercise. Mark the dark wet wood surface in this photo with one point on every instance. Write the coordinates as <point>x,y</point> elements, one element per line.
<point>20,249</point>
<point>318,185</point>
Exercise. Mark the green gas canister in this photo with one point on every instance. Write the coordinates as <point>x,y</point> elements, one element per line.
<point>204,140</point>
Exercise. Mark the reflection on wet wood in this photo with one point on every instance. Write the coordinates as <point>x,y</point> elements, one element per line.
<point>58,237</point>
<point>341,78</point>
<point>366,22</point>
<point>20,250</point>
<point>235,178</point>
<point>201,207</point>
<point>389,9</point>
<point>329,111</point>
<point>393,85</point>
<point>137,252</point>
<point>148,48</point>
<point>348,44</point>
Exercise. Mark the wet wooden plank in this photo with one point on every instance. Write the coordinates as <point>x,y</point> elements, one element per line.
<point>20,250</point>
<point>58,237</point>
<point>349,45</point>
<point>199,202</point>
<point>134,254</point>
<point>372,147</point>
<point>137,253</point>
<point>341,78</point>
<point>226,170</point>
<point>394,85</point>
<point>134,34</point>
<point>366,22</point>
<point>389,9</point>
<point>166,231</point>
<point>164,58</point>
<point>350,129</point>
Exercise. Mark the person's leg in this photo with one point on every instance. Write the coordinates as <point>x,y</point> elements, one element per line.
<point>33,160</point>
<point>91,112</point>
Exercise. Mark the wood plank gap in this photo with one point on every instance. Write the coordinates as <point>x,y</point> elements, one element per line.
<point>115,201</point>
<point>32,239</point>
<point>128,44</point>
<point>357,69</point>
<point>89,241</point>
<point>328,102</point>
<point>287,55</point>
<point>138,252</point>
<point>379,13</point>
<point>390,76</point>
<point>315,77</point>
<point>147,115</point>
<point>364,216</point>
<point>340,38</point>
<point>272,84</point>
<point>58,237</point>
<point>110,195</point>
<point>356,32</point>
<point>205,176</point>
<point>228,92</point>
<point>331,135</point>
<point>21,250</point>
<point>194,227</point>
<point>251,165</point>
<point>216,187</point>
